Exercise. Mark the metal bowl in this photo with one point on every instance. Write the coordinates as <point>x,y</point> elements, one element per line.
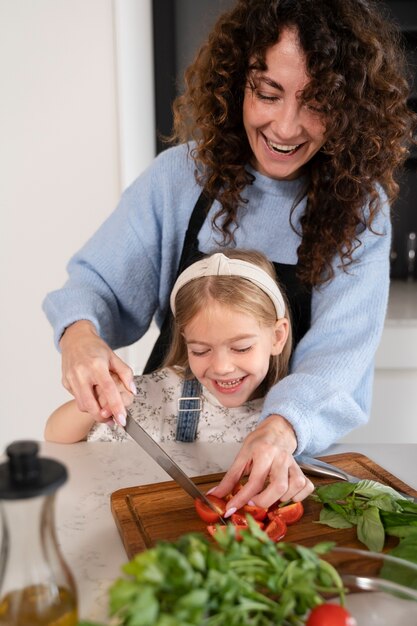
<point>381,590</point>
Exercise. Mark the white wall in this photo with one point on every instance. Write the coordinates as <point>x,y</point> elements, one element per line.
<point>61,172</point>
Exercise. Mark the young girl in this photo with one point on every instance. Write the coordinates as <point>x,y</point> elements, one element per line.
<point>231,343</point>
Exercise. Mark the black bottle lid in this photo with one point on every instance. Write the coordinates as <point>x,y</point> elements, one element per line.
<point>26,475</point>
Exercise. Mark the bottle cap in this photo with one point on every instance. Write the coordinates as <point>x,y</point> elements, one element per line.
<point>26,475</point>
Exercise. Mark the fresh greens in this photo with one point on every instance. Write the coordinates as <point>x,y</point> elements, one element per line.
<point>375,509</point>
<point>251,582</point>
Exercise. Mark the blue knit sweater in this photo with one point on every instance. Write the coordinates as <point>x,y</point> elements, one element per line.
<point>123,275</point>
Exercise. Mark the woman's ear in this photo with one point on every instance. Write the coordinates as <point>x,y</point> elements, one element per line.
<point>281,331</point>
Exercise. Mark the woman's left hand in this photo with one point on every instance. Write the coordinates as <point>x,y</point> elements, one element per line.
<point>267,456</point>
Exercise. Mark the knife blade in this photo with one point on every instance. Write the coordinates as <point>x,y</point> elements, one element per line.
<point>315,467</point>
<point>159,455</point>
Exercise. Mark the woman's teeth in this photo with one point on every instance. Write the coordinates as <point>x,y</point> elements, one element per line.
<point>283,149</point>
<point>227,384</point>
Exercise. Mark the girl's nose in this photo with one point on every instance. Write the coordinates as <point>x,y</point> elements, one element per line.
<point>221,364</point>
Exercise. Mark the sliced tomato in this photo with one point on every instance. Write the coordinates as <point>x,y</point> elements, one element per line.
<point>240,519</point>
<point>291,513</point>
<point>206,513</point>
<point>257,512</point>
<point>330,615</point>
<point>276,529</point>
<point>213,529</point>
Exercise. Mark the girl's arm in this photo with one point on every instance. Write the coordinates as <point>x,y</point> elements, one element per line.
<point>67,424</point>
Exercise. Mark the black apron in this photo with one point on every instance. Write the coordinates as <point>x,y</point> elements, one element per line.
<point>298,295</point>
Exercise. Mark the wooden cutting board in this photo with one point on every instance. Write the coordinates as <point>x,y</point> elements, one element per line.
<point>163,511</point>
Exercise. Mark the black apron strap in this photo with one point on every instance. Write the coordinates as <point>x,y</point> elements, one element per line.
<point>298,297</point>
<point>189,255</point>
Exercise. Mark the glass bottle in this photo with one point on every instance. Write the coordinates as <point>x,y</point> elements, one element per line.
<point>36,585</point>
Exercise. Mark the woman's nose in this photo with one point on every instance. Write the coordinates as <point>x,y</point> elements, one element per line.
<point>287,121</point>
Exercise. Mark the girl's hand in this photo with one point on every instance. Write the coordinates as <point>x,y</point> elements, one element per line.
<point>87,365</point>
<point>266,455</point>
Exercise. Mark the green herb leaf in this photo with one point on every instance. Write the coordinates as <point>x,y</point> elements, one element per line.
<point>333,519</point>
<point>334,491</point>
<point>371,530</point>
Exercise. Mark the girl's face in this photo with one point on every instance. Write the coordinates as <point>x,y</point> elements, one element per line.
<point>283,133</point>
<point>228,351</point>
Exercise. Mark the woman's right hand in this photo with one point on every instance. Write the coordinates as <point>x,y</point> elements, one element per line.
<point>87,364</point>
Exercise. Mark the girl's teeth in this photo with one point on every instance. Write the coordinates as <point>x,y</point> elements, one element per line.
<point>281,148</point>
<point>229,383</point>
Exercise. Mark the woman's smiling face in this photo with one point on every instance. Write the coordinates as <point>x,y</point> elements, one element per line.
<point>283,132</point>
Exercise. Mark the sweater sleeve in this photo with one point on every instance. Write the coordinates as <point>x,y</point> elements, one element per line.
<point>110,275</point>
<point>329,388</point>
<point>121,278</point>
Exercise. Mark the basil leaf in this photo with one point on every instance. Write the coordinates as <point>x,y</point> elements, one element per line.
<point>371,530</point>
<point>371,488</point>
<point>334,491</point>
<point>333,519</point>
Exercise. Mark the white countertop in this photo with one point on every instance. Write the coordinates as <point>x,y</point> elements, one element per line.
<point>86,530</point>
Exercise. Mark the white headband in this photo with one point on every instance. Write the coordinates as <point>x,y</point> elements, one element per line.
<point>220,265</point>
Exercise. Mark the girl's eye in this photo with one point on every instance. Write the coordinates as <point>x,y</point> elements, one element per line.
<point>198,352</point>
<point>242,350</point>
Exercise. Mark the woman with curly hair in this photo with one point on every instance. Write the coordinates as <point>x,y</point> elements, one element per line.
<point>289,135</point>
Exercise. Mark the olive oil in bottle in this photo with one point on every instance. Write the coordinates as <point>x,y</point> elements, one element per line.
<point>36,585</point>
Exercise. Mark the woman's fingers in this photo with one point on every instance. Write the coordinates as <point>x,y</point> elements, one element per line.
<point>267,456</point>
<point>87,363</point>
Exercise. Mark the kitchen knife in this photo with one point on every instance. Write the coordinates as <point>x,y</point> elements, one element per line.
<point>164,460</point>
<point>315,467</point>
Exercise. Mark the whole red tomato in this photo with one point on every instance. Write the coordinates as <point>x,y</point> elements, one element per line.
<point>206,513</point>
<point>330,615</point>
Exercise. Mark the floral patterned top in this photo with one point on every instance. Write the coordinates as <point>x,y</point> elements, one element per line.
<point>155,407</point>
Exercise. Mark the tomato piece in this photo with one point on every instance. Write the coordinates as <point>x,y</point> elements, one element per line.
<point>257,512</point>
<point>213,529</point>
<point>239,519</point>
<point>291,513</point>
<point>206,513</point>
<point>330,615</point>
<point>276,529</point>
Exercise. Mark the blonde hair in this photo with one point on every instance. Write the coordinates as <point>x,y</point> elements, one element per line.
<point>234,292</point>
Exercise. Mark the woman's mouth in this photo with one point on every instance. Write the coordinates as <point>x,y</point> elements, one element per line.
<point>283,149</point>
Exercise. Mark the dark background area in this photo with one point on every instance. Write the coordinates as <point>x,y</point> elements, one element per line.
<point>180,26</point>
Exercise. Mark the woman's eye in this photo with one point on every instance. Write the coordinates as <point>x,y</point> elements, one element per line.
<point>314,107</point>
<point>266,97</point>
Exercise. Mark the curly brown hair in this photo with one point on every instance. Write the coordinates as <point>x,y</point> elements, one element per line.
<point>358,74</point>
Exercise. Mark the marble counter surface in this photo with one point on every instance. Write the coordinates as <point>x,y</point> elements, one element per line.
<point>85,526</point>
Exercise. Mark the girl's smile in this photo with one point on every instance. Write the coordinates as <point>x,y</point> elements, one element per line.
<point>229,351</point>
